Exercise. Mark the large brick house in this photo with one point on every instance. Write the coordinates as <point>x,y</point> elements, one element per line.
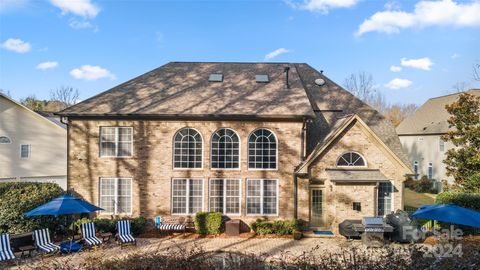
<point>276,140</point>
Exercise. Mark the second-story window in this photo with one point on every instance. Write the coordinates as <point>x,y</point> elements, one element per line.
<point>430,170</point>
<point>116,141</point>
<point>415,169</point>
<point>262,150</point>
<point>187,149</point>
<point>225,149</point>
<point>24,151</point>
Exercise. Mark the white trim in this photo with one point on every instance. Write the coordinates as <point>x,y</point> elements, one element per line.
<point>262,197</point>
<point>29,150</point>
<point>115,204</point>
<point>225,196</point>
<point>187,196</point>
<point>352,151</point>
<point>392,198</point>
<point>9,140</point>
<point>239,152</point>
<point>116,142</point>
<point>173,150</point>
<point>276,151</point>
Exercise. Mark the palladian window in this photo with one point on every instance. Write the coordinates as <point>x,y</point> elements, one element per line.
<point>187,149</point>
<point>351,159</point>
<point>225,149</point>
<point>262,150</point>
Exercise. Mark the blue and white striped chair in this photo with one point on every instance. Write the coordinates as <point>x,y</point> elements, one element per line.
<point>88,233</point>
<point>168,227</point>
<point>124,232</point>
<point>43,242</point>
<point>6,252</point>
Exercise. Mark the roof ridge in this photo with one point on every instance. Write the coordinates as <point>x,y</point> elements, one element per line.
<point>457,93</point>
<point>236,62</point>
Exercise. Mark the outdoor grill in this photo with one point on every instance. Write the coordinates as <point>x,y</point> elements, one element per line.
<point>374,228</point>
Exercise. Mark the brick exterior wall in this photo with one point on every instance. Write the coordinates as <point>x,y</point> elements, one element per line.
<point>151,166</point>
<point>339,197</point>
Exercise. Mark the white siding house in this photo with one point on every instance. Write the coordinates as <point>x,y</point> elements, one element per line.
<point>32,148</point>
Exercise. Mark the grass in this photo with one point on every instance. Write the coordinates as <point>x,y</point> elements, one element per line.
<point>415,199</point>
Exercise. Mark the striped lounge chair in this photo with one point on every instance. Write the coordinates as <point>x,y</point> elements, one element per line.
<point>168,227</point>
<point>124,232</point>
<point>5,249</point>
<point>88,234</point>
<point>43,242</point>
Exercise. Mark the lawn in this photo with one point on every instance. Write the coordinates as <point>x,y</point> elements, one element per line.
<point>415,199</point>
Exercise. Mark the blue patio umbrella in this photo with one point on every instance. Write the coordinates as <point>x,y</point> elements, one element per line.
<point>449,213</point>
<point>63,205</point>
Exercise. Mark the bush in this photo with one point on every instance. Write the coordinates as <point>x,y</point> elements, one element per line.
<point>139,225</point>
<point>18,198</point>
<point>424,185</point>
<point>105,225</point>
<point>467,200</point>
<point>75,226</point>
<point>208,222</point>
<point>279,227</point>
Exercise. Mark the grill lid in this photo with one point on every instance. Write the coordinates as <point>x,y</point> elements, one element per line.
<point>372,221</point>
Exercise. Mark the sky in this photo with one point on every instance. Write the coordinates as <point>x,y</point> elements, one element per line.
<point>414,49</point>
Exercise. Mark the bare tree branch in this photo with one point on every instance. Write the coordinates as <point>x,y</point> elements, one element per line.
<point>65,96</point>
<point>361,85</point>
<point>5,92</point>
<point>460,86</point>
<point>476,72</point>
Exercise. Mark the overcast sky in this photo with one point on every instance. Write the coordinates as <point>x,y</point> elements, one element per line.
<point>414,49</point>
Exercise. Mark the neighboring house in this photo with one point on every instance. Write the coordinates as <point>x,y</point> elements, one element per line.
<point>32,147</point>
<point>276,140</point>
<point>421,133</point>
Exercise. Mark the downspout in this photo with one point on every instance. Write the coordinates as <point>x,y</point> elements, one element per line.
<point>68,146</point>
<point>295,177</point>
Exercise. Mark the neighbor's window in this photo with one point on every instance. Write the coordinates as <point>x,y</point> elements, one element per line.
<point>351,159</point>
<point>262,197</point>
<point>187,149</point>
<point>262,150</point>
<point>225,196</point>
<point>430,170</point>
<point>441,145</point>
<point>25,151</point>
<point>116,141</point>
<point>415,169</point>
<point>187,196</point>
<point>385,191</point>
<point>116,195</point>
<point>225,149</point>
<point>5,140</point>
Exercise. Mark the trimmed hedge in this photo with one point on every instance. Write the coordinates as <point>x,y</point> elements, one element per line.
<point>18,198</point>
<point>208,222</point>
<point>467,200</point>
<point>279,227</point>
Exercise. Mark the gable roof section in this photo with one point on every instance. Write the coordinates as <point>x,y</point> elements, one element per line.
<point>338,128</point>
<point>431,117</point>
<point>182,89</point>
<point>32,112</point>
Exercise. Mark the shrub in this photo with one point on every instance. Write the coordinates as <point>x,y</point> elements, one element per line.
<point>424,185</point>
<point>105,225</point>
<point>279,227</point>
<point>208,222</point>
<point>18,198</point>
<point>467,200</point>
<point>75,226</point>
<point>139,225</point>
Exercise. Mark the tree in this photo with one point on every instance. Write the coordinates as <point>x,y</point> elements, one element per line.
<point>63,97</point>
<point>476,72</point>
<point>5,92</point>
<point>460,87</point>
<point>396,113</point>
<point>361,85</point>
<point>463,161</point>
<point>33,103</point>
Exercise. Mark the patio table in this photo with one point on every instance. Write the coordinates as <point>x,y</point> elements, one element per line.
<point>70,246</point>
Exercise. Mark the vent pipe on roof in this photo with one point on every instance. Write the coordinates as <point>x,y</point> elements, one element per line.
<point>286,77</point>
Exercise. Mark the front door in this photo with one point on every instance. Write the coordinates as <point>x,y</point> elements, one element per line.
<point>316,207</point>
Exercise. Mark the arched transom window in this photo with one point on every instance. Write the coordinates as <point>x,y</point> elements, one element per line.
<point>262,150</point>
<point>225,149</point>
<point>351,159</point>
<point>187,149</point>
<point>4,140</point>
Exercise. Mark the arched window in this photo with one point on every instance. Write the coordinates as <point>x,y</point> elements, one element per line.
<point>225,149</point>
<point>351,159</point>
<point>187,149</point>
<point>262,150</point>
<point>4,140</point>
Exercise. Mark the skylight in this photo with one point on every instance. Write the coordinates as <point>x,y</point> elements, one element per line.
<point>262,78</point>
<point>215,77</point>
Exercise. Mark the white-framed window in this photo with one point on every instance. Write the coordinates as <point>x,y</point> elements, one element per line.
<point>5,140</point>
<point>262,197</point>
<point>351,159</point>
<point>187,149</point>
<point>225,196</point>
<point>225,149</point>
<point>430,170</point>
<point>385,198</point>
<point>116,141</point>
<point>415,169</point>
<point>25,151</point>
<point>262,150</point>
<point>187,196</point>
<point>441,145</point>
<point>116,195</point>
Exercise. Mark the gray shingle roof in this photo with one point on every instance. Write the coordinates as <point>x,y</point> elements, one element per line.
<point>431,117</point>
<point>355,175</point>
